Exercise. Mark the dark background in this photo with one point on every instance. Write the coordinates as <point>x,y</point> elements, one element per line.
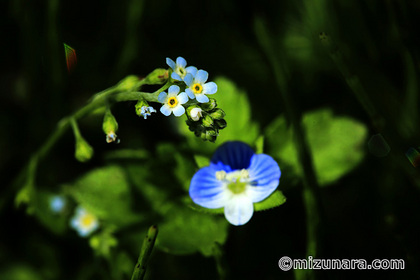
<point>371,213</point>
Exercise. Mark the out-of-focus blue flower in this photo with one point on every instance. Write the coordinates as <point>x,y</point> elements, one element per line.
<point>235,180</point>
<point>172,101</point>
<point>84,222</point>
<point>197,86</point>
<point>146,111</point>
<point>57,203</point>
<point>179,68</point>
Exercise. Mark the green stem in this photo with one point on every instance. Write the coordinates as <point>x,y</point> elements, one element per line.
<point>310,184</point>
<point>221,264</point>
<point>145,252</point>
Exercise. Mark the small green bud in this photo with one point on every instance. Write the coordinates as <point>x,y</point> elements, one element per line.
<point>128,83</point>
<point>218,114</point>
<point>207,121</point>
<point>194,112</point>
<point>209,105</point>
<point>110,127</point>
<point>157,77</point>
<point>220,124</point>
<point>211,135</point>
<point>84,151</point>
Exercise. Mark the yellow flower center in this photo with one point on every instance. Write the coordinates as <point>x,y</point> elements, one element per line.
<point>87,220</point>
<point>172,102</point>
<point>197,88</point>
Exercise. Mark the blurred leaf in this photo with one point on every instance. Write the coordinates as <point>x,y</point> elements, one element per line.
<point>103,242</point>
<point>185,231</point>
<point>19,272</point>
<point>240,126</point>
<point>275,199</point>
<point>337,144</point>
<point>56,222</point>
<point>201,161</point>
<point>105,192</point>
<point>259,145</point>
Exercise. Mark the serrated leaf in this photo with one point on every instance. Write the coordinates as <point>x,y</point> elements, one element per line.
<point>275,199</point>
<point>336,143</point>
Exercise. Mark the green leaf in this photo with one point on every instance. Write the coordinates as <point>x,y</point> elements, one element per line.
<point>275,199</point>
<point>201,161</point>
<point>240,126</point>
<point>105,192</point>
<point>185,231</point>
<point>336,143</point>
<point>56,222</point>
<point>259,145</point>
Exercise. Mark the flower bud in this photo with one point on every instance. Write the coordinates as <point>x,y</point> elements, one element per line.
<point>207,121</point>
<point>220,124</point>
<point>110,126</point>
<point>128,83</point>
<point>211,135</point>
<point>209,105</point>
<point>218,114</point>
<point>84,151</point>
<point>157,77</point>
<point>194,112</point>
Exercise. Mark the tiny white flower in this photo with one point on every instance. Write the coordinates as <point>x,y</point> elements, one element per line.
<point>84,222</point>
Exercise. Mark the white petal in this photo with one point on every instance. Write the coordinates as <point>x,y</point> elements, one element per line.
<point>179,110</point>
<point>210,88</point>
<point>182,98</point>
<point>239,210</point>
<point>173,89</point>
<point>170,63</point>
<point>180,61</point>
<point>162,97</point>
<point>165,110</point>
<point>202,98</point>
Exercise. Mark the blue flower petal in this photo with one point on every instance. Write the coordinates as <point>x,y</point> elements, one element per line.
<point>192,70</point>
<point>175,76</point>
<point>210,88</point>
<point>206,190</point>
<point>188,79</point>
<point>233,156</point>
<point>182,98</point>
<point>170,63</point>
<point>180,61</point>
<point>179,110</point>
<point>190,93</point>
<point>201,76</point>
<point>265,173</point>
<point>202,98</point>
<point>162,97</point>
<point>165,110</point>
<point>174,89</point>
<point>239,210</point>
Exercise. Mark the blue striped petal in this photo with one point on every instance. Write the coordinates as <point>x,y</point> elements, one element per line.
<point>233,156</point>
<point>206,190</point>
<point>265,173</point>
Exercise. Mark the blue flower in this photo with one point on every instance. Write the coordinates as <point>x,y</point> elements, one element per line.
<point>179,69</point>
<point>84,222</point>
<point>57,203</point>
<point>236,179</point>
<point>197,86</point>
<point>146,111</point>
<point>172,102</point>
